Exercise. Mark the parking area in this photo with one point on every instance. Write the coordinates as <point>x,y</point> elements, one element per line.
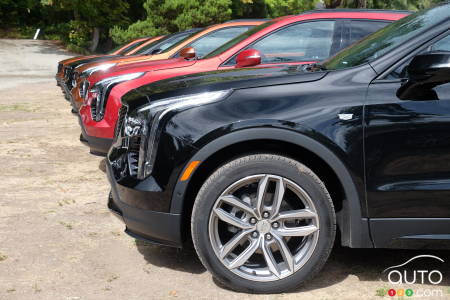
<point>58,239</point>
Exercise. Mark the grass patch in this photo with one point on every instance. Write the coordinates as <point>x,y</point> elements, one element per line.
<point>67,225</point>
<point>11,290</point>
<point>16,107</point>
<point>112,278</point>
<point>66,202</point>
<point>3,257</point>
<point>36,289</point>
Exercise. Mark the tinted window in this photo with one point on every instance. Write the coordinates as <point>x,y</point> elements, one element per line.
<point>163,43</point>
<point>360,29</point>
<point>401,71</point>
<point>442,45</point>
<point>215,39</point>
<point>301,42</point>
<point>192,34</point>
<point>388,38</point>
<point>175,39</point>
<point>238,39</point>
<point>129,48</point>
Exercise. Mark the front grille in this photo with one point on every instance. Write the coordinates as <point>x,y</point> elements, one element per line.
<point>94,108</point>
<point>133,155</point>
<point>68,75</point>
<point>120,119</point>
<point>133,158</point>
<point>84,88</point>
<point>126,148</point>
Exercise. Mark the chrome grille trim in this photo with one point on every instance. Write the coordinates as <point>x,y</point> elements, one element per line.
<point>120,119</point>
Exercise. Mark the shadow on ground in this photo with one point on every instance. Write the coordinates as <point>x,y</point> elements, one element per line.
<point>365,264</point>
<point>49,47</point>
<point>369,264</point>
<point>184,260</point>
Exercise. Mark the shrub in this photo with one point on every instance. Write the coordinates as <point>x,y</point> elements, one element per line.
<point>79,34</point>
<point>136,30</point>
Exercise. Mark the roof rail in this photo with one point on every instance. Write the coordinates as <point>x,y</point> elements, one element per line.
<point>246,20</point>
<point>326,10</point>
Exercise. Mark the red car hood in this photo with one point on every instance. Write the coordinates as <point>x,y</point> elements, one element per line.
<point>155,65</point>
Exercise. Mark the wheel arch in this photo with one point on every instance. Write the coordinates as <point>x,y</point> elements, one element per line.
<point>353,227</point>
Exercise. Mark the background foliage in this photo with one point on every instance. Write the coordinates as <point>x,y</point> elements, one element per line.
<point>95,25</point>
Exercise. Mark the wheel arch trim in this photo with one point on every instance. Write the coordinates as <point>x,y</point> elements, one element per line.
<point>354,228</point>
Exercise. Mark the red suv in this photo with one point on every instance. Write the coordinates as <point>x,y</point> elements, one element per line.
<point>305,38</point>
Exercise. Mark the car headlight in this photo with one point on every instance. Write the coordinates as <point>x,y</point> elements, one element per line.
<point>101,91</point>
<point>150,128</point>
<point>103,67</point>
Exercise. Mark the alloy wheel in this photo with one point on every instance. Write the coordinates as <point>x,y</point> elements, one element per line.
<point>263,227</point>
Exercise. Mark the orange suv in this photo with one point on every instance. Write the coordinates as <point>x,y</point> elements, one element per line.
<point>216,39</point>
<point>127,49</point>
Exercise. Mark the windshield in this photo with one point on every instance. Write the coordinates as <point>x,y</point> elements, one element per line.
<point>131,46</point>
<point>181,41</point>
<point>238,39</point>
<point>163,43</point>
<point>388,38</point>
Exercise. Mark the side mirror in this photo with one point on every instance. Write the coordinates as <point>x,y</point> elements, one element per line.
<point>248,58</point>
<point>187,53</point>
<point>425,72</point>
<point>430,67</point>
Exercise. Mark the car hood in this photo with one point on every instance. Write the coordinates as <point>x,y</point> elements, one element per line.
<point>92,60</point>
<point>77,58</point>
<point>219,80</point>
<point>154,65</point>
<point>117,60</point>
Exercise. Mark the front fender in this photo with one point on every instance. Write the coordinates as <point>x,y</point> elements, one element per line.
<point>354,228</point>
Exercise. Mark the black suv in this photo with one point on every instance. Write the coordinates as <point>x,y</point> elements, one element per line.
<point>260,167</point>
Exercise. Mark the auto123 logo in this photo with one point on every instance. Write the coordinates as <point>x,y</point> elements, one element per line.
<point>412,273</point>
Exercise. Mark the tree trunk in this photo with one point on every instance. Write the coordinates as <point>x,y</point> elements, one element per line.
<point>333,3</point>
<point>361,3</point>
<point>95,39</point>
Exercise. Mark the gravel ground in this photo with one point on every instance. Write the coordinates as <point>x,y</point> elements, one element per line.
<point>59,241</point>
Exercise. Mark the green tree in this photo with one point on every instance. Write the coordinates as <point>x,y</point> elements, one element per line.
<point>92,18</point>
<point>174,15</point>
<point>278,8</point>
<point>18,12</point>
<point>382,4</point>
<point>248,9</point>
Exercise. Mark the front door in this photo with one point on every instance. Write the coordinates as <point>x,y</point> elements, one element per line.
<point>407,154</point>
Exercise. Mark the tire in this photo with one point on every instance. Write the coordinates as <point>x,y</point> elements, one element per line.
<point>268,269</point>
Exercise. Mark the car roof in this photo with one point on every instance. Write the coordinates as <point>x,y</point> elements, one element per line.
<point>320,14</point>
<point>247,20</point>
<point>371,14</point>
<point>346,10</point>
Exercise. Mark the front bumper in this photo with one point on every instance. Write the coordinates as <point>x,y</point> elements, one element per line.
<point>66,91</point>
<point>97,146</point>
<point>61,83</point>
<point>138,205</point>
<point>58,80</point>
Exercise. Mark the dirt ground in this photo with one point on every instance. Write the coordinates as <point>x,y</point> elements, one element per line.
<point>58,239</point>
